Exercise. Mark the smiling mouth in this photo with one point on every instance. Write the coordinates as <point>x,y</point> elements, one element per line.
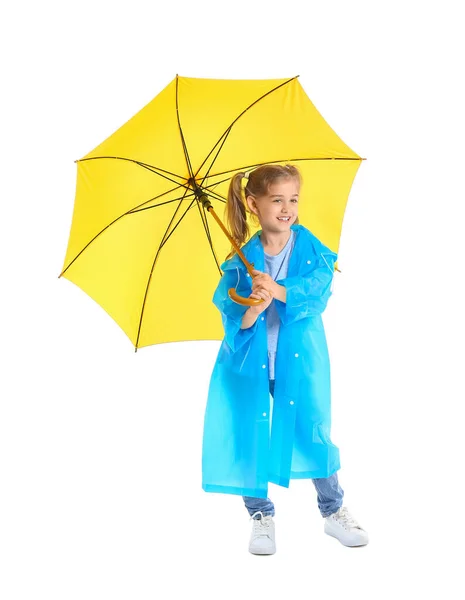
<point>284,219</point>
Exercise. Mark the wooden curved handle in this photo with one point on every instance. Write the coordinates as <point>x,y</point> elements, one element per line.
<point>249,266</point>
<point>242,300</point>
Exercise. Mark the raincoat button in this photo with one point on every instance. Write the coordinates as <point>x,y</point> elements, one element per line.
<point>263,366</point>
<point>296,355</point>
<point>291,402</point>
<point>309,262</point>
<point>263,318</point>
<point>264,414</point>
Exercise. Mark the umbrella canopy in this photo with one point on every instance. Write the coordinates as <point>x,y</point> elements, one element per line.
<point>144,247</point>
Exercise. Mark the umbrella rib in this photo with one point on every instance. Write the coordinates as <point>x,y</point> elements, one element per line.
<point>131,211</point>
<point>203,216</point>
<point>184,145</point>
<point>164,239</point>
<point>215,194</point>
<point>136,210</point>
<point>208,187</point>
<point>178,223</point>
<point>147,166</point>
<point>216,155</point>
<point>228,130</point>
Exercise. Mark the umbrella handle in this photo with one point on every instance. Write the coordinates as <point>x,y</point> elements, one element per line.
<point>200,194</point>
<point>242,300</point>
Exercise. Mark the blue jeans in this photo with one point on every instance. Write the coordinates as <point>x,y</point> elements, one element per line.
<point>329,493</point>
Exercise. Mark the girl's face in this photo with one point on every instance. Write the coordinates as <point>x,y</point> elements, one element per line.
<point>277,210</point>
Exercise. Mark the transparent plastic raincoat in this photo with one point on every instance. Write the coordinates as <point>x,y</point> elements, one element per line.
<point>243,449</point>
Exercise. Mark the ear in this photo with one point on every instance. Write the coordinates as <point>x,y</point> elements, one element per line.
<point>252,205</point>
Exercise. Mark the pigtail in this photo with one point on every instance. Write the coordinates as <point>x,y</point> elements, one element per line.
<point>236,214</point>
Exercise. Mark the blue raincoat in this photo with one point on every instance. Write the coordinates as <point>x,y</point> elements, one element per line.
<point>243,450</point>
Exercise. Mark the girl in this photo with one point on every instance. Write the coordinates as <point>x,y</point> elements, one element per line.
<point>277,347</point>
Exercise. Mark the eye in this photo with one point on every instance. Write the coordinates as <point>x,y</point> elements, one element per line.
<point>295,200</point>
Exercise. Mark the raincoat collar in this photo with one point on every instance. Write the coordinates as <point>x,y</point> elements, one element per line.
<point>254,252</point>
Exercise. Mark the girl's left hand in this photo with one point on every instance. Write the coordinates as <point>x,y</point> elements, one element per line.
<point>263,280</point>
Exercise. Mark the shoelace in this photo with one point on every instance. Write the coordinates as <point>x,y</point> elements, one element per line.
<point>346,518</point>
<point>260,526</point>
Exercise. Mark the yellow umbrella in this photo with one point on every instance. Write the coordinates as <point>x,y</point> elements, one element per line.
<point>142,244</point>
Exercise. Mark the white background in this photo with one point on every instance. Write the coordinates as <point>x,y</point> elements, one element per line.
<point>100,447</point>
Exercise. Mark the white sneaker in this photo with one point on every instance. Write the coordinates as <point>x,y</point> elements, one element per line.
<point>262,540</point>
<point>345,528</point>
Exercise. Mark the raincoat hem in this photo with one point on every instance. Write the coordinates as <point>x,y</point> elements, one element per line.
<point>239,491</point>
<point>282,481</point>
<point>314,474</point>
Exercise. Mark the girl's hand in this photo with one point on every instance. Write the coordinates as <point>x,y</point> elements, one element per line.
<point>263,280</point>
<point>267,298</point>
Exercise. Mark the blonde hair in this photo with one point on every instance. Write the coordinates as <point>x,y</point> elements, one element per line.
<point>258,184</point>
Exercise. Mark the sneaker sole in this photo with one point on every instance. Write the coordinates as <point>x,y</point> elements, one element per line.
<point>263,553</point>
<point>348,544</point>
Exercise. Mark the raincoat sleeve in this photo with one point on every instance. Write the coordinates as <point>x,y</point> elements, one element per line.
<point>308,295</point>
<point>231,312</point>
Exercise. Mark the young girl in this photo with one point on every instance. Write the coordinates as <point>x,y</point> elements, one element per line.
<point>277,347</point>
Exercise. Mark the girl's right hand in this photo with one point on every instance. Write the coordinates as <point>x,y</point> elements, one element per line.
<point>267,297</point>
